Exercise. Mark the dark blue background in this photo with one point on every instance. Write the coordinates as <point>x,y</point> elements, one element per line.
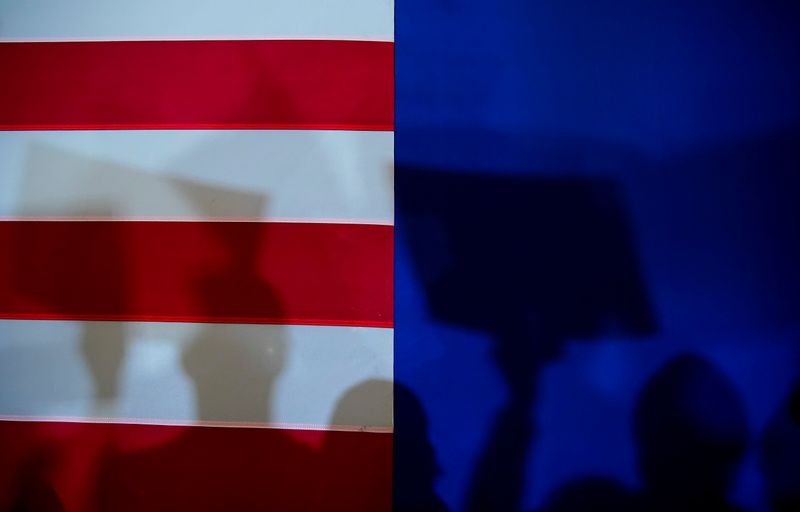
<point>664,137</point>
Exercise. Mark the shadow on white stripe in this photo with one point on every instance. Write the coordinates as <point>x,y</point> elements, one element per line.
<point>336,176</point>
<point>208,374</point>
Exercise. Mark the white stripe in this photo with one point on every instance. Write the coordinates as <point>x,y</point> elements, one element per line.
<point>196,19</point>
<point>211,374</point>
<point>336,176</point>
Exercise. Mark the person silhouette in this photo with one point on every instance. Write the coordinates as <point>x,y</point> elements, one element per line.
<point>780,454</point>
<point>534,263</point>
<point>691,433</point>
<point>416,468</point>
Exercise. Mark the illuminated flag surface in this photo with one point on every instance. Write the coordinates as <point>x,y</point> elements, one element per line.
<point>196,223</point>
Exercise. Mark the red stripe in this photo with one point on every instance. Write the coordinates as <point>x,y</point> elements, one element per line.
<point>94,467</point>
<point>282,84</point>
<point>233,272</point>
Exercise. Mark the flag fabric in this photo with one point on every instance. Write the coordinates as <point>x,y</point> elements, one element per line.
<point>196,255</point>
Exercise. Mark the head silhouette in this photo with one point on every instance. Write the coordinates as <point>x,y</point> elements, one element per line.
<point>691,432</point>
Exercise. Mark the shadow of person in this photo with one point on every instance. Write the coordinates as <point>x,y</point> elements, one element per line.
<point>415,465</point>
<point>780,454</point>
<point>68,249</point>
<point>33,492</point>
<point>691,433</point>
<point>533,262</point>
<point>62,183</point>
<point>102,344</point>
<point>356,452</point>
<point>58,182</point>
<point>233,367</point>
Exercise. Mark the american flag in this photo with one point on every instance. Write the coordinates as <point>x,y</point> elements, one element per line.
<point>196,252</point>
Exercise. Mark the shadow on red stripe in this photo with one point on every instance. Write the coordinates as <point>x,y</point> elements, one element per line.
<point>289,84</point>
<point>232,272</point>
<point>97,467</point>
